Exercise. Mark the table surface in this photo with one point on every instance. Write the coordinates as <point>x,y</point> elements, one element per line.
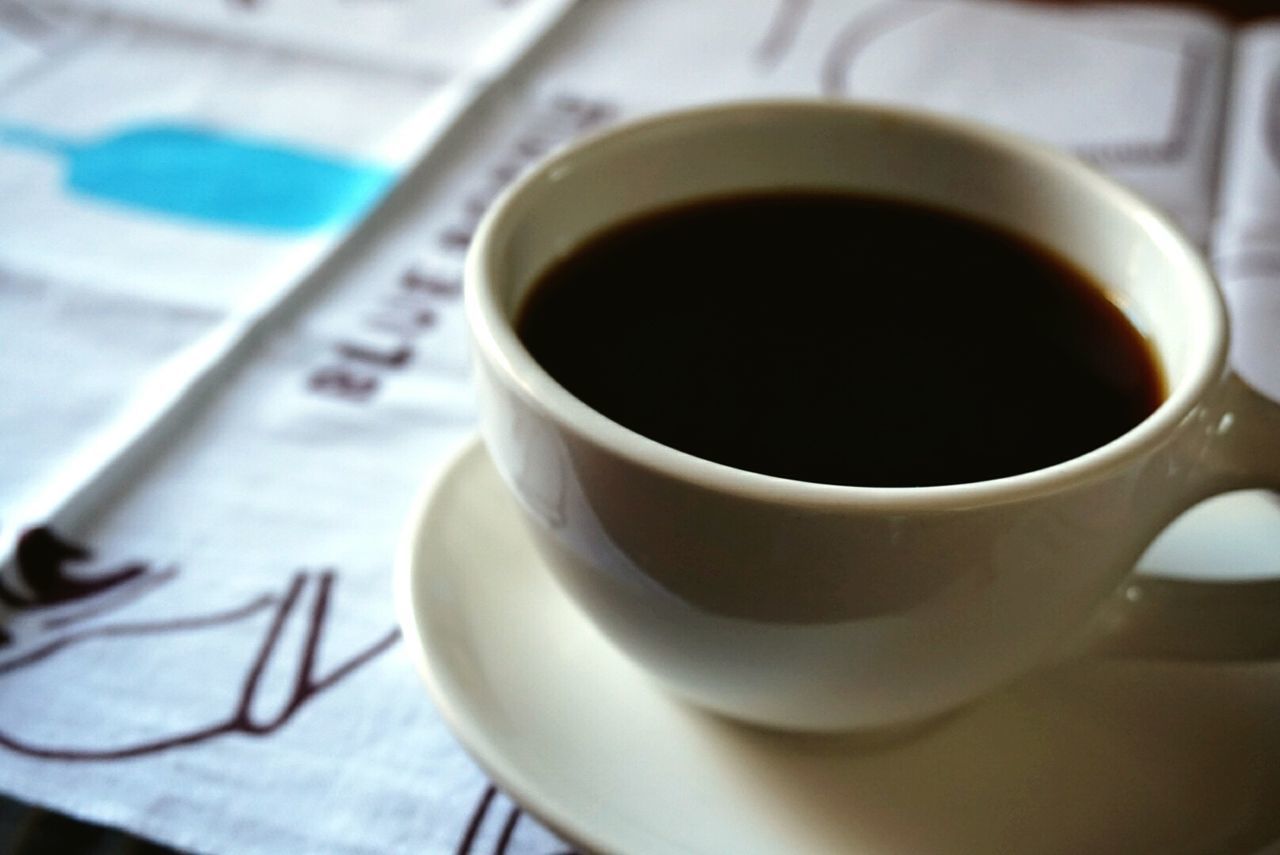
<point>24,829</point>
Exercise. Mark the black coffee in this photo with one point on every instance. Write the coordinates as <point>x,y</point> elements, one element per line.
<point>841,339</point>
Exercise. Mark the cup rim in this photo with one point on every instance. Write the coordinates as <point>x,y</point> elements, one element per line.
<point>495,340</point>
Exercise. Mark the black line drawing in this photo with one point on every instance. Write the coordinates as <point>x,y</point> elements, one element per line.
<point>1271,121</point>
<point>39,582</point>
<point>44,651</point>
<point>42,582</point>
<point>476,822</point>
<point>508,828</point>
<point>781,35</point>
<point>861,31</point>
<point>112,601</point>
<point>1172,146</point>
<point>44,579</point>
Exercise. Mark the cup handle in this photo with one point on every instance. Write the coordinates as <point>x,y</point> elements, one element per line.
<point>1236,447</point>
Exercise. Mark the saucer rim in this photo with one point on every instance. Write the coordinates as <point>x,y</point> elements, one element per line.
<point>451,698</point>
<point>439,686</point>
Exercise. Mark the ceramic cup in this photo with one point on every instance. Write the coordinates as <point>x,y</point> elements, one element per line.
<point>812,606</point>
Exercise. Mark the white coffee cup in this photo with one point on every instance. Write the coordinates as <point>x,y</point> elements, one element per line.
<point>814,606</point>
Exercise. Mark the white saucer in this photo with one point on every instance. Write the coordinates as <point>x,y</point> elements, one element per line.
<point>1102,757</point>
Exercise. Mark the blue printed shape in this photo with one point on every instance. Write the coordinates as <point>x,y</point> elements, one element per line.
<point>207,176</point>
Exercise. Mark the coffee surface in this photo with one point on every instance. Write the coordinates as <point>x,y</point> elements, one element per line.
<point>841,339</point>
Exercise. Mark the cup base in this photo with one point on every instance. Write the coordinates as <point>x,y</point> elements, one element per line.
<point>847,739</point>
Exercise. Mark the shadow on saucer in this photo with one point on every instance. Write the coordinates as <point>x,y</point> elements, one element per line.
<point>1101,757</point>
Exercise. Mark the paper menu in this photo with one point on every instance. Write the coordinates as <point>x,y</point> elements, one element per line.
<point>277,491</point>
<point>1246,245</point>
<point>430,41</point>
<point>1155,125</point>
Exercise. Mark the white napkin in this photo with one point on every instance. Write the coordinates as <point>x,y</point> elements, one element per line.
<point>231,415</point>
